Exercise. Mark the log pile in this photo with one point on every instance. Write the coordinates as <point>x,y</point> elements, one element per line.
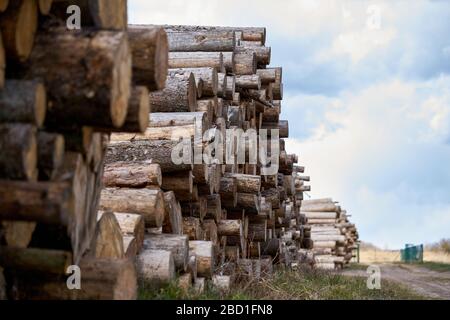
<point>139,154</point>
<point>62,92</point>
<point>330,236</point>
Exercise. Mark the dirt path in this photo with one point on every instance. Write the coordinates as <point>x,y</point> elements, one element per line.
<point>425,282</point>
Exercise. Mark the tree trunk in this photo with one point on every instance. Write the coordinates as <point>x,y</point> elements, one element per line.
<point>132,175</point>
<point>18,24</point>
<point>89,86</point>
<point>18,156</point>
<point>196,60</point>
<point>50,154</point>
<point>149,46</point>
<point>204,252</point>
<point>178,95</point>
<point>23,101</point>
<point>158,151</point>
<point>148,203</point>
<point>200,40</point>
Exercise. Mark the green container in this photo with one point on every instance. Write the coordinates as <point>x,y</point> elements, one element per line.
<point>412,253</point>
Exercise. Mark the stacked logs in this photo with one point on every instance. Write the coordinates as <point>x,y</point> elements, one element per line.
<point>62,92</point>
<point>331,237</point>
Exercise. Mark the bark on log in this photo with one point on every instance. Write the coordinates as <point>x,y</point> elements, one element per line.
<point>18,24</point>
<point>277,91</point>
<point>204,252</point>
<point>132,175</point>
<point>257,231</point>
<point>228,62</point>
<point>129,247</point>
<point>222,84</point>
<point>201,41</point>
<point>230,228</point>
<point>192,228</point>
<point>196,60</point>
<point>245,62</point>
<point>148,203</point>
<point>155,267</point>
<point>282,126</point>
<point>103,14</point>
<point>150,50</point>
<point>181,184</point>
<point>246,183</point>
<point>230,88</point>
<point>214,209</point>
<point>132,225</point>
<point>319,215</point>
<point>168,119</point>
<point>94,87</point>
<point>178,245</point>
<point>35,260</point>
<point>209,77</point>
<point>50,154</point>
<point>138,110</point>
<point>18,158</point>
<point>262,54</point>
<point>173,220</point>
<point>248,82</point>
<point>196,208</point>
<point>159,151</point>
<point>102,279</point>
<point>267,75</point>
<point>228,191</point>
<point>210,231</point>
<point>23,101</point>
<point>178,95</point>
<point>108,242</point>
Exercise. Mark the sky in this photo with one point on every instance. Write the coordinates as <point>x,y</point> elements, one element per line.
<point>367,94</point>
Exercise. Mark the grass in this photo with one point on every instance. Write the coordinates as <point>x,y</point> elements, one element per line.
<point>292,285</point>
<point>435,266</point>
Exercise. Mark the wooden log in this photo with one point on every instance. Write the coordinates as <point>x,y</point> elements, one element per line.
<point>132,174</point>
<point>208,75</point>
<point>149,47</point>
<point>138,110</point>
<point>230,88</point>
<point>108,242</point>
<point>17,234</point>
<point>18,159</point>
<point>228,191</point>
<point>248,82</point>
<point>93,91</point>
<point>318,244</point>
<point>102,279</point>
<point>178,95</point>
<point>270,115</point>
<point>129,247</point>
<point>192,228</point>
<point>181,184</point>
<point>148,203</point>
<point>173,220</point>
<point>257,231</point>
<point>214,207</point>
<point>248,202</point>
<point>221,84</point>
<point>155,267</point>
<point>196,60</point>
<point>271,248</point>
<point>277,91</point>
<point>131,225</point>
<point>320,207</point>
<point>19,24</point>
<point>204,252</point>
<point>230,228</point>
<point>231,253</point>
<point>103,14</point>
<point>245,62</point>
<point>194,208</point>
<point>209,227</point>
<point>221,283</point>
<point>178,245</point>
<point>267,75</point>
<point>3,5</point>
<point>35,260</point>
<point>246,183</point>
<point>161,133</point>
<point>45,6</point>
<point>201,41</point>
<point>282,126</point>
<point>50,154</point>
<point>228,62</point>
<point>262,54</point>
<point>320,215</point>
<point>158,151</point>
<point>254,249</point>
<point>158,120</point>
<point>23,101</point>
<point>327,237</point>
<point>2,62</point>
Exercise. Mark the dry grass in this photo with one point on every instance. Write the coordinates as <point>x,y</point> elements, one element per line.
<point>370,256</point>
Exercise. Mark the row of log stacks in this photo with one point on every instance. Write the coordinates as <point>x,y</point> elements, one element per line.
<point>62,92</point>
<point>330,236</point>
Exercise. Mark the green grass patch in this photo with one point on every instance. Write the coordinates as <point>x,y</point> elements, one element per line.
<point>293,285</point>
<point>435,266</point>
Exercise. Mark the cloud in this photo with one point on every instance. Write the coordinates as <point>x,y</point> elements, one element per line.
<point>382,151</point>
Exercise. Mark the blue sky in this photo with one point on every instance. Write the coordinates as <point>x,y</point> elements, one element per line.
<point>367,93</point>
